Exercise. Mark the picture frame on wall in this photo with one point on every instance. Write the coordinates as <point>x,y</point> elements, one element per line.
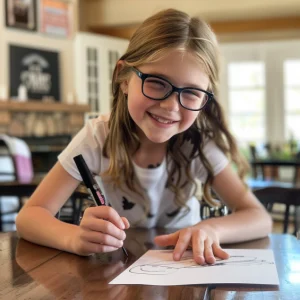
<point>56,18</point>
<point>21,14</point>
<point>36,71</point>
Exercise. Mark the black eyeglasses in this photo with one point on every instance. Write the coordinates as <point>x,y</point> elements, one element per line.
<point>157,88</point>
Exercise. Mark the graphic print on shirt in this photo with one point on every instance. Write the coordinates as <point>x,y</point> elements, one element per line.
<point>173,213</point>
<point>153,166</point>
<point>127,205</point>
<point>149,216</point>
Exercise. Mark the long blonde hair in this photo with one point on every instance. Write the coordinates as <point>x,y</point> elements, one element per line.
<point>167,30</point>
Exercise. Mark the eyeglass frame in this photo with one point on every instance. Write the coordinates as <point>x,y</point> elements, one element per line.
<point>144,76</point>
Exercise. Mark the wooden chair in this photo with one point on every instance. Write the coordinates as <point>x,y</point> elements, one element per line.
<point>269,196</point>
<point>270,172</point>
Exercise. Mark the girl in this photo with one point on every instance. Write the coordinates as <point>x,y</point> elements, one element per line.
<point>166,130</point>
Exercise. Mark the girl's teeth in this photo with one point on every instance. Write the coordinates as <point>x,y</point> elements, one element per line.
<point>161,120</point>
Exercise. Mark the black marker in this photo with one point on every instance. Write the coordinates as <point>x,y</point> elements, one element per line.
<point>92,186</point>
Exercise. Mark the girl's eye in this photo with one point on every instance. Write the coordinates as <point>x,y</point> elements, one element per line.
<point>190,92</point>
<point>193,94</point>
<point>156,83</point>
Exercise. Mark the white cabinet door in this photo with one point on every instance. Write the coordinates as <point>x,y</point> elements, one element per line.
<point>95,59</point>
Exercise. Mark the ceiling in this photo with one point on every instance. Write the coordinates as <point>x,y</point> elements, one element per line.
<point>122,12</point>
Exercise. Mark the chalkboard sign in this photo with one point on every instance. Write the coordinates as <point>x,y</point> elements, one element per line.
<point>37,70</point>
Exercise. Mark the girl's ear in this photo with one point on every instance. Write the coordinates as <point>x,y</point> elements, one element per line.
<point>124,87</point>
<point>120,65</point>
<point>124,84</point>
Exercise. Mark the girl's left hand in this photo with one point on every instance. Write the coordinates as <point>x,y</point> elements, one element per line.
<point>202,238</point>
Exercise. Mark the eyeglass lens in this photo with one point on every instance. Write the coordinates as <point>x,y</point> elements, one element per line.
<point>159,89</point>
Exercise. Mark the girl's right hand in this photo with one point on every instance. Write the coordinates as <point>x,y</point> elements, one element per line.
<point>101,230</point>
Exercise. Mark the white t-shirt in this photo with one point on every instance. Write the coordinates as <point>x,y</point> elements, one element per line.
<point>163,211</point>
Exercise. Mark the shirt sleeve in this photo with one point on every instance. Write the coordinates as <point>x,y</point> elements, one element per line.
<point>215,157</point>
<point>86,143</point>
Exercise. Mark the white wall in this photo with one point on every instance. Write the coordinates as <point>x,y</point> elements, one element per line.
<point>37,40</point>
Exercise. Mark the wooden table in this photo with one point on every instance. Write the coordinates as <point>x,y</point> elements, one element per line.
<point>29,271</point>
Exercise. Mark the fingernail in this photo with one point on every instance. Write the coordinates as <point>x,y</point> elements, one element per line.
<point>176,256</point>
<point>122,225</point>
<point>211,260</point>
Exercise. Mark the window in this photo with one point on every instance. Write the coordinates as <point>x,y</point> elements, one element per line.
<point>113,57</point>
<point>292,98</point>
<point>92,78</point>
<point>246,100</point>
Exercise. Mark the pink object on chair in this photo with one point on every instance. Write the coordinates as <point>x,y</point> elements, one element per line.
<point>20,153</point>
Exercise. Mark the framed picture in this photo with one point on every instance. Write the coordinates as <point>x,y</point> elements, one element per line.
<point>36,70</point>
<point>56,18</point>
<point>21,14</point>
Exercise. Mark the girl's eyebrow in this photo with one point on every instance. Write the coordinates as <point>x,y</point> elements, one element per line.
<point>159,75</point>
<point>197,86</point>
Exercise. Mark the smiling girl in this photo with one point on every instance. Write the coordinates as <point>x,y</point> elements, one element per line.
<point>165,130</point>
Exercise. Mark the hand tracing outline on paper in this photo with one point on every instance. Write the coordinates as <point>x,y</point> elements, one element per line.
<point>165,268</point>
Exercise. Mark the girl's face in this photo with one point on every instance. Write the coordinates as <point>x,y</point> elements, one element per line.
<point>159,120</point>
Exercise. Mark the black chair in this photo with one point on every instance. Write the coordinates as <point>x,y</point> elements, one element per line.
<point>269,196</point>
<point>73,208</point>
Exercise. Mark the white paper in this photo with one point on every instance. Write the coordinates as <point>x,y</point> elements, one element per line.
<point>245,266</point>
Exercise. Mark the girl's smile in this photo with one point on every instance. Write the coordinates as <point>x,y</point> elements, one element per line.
<point>162,120</point>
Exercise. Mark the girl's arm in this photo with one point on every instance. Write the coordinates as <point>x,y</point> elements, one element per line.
<point>249,219</point>
<point>99,231</point>
<point>36,222</point>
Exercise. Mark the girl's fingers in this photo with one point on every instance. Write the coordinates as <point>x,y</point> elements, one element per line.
<point>208,252</point>
<point>198,248</point>
<point>103,226</point>
<point>91,223</point>
<point>204,249</point>
<point>219,252</point>
<point>90,248</point>
<point>104,248</point>
<point>107,213</point>
<point>100,238</point>
<point>182,243</point>
<point>167,239</point>
<point>126,222</point>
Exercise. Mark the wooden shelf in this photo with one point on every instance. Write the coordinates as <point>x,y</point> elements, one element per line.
<point>36,106</point>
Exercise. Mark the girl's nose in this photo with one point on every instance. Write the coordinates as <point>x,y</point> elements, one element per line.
<point>171,103</point>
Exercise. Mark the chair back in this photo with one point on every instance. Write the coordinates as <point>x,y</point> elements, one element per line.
<point>269,196</point>
<point>207,211</point>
